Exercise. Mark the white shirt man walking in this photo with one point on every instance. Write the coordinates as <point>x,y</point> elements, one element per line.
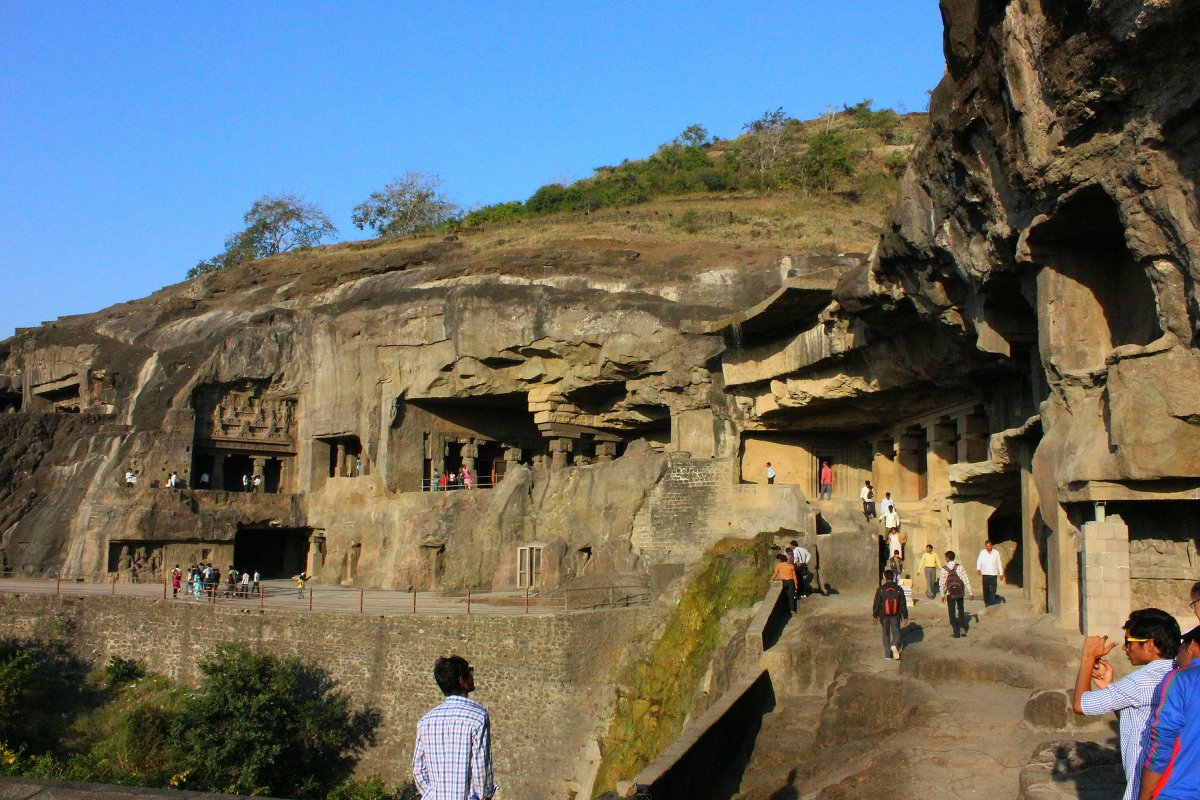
<point>990,566</point>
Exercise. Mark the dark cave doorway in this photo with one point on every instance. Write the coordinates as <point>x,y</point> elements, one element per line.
<point>273,552</point>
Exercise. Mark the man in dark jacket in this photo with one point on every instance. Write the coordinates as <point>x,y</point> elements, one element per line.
<point>889,609</point>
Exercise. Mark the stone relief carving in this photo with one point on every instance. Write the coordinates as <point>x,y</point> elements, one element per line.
<point>1163,559</point>
<point>247,413</point>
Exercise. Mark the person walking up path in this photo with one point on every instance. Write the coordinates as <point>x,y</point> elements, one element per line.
<point>825,490</point>
<point>888,610</point>
<point>954,587</point>
<point>990,567</point>
<point>786,573</point>
<point>930,565</point>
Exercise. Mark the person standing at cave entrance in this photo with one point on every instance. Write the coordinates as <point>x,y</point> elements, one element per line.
<point>825,490</point>
<point>991,570</point>
<point>867,495</point>
<point>930,565</point>
<point>176,580</point>
<point>468,481</point>
<point>889,609</point>
<point>433,482</point>
<point>954,587</point>
<point>1151,642</point>
<point>770,473</point>
<point>246,482</point>
<point>786,573</point>
<point>300,579</point>
<point>452,757</point>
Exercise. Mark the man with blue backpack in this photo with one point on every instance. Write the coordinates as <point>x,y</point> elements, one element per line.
<point>890,611</point>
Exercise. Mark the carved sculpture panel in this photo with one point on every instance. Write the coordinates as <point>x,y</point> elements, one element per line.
<point>247,414</point>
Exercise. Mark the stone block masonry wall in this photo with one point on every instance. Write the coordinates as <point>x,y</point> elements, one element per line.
<point>698,502</point>
<point>1105,576</point>
<point>547,680</point>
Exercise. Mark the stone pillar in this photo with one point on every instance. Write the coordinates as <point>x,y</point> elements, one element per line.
<point>470,452</point>
<point>606,451</point>
<point>1032,536</point>
<point>581,460</point>
<point>559,450</point>
<point>883,469</point>
<point>1104,581</point>
<point>260,463</point>
<point>512,457</point>
<point>316,553</point>
<point>539,461</point>
<point>943,451</point>
<point>285,474</point>
<point>908,466</point>
<point>218,471</point>
<point>340,470</point>
<point>973,439</point>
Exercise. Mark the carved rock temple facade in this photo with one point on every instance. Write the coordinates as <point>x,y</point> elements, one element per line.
<point>1016,359</point>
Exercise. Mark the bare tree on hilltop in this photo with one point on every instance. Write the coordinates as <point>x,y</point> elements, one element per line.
<point>410,203</point>
<point>274,224</point>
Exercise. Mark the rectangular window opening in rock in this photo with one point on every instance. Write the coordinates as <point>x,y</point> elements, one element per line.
<point>529,566</point>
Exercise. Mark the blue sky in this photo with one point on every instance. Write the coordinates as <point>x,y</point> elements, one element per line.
<point>133,136</point>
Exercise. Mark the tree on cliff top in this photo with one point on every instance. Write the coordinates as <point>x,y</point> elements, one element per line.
<point>260,724</point>
<point>274,224</point>
<point>411,203</point>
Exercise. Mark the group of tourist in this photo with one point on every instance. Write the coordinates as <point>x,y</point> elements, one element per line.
<point>793,570</point>
<point>451,479</point>
<point>206,579</point>
<point>1158,704</point>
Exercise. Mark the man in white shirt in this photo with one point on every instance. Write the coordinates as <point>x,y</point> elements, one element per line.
<point>991,568</point>
<point>867,495</point>
<point>800,558</point>
<point>770,473</point>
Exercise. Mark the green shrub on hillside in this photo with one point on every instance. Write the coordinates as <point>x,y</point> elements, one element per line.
<point>260,724</point>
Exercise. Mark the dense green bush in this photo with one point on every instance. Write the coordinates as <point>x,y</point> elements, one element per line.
<point>266,725</point>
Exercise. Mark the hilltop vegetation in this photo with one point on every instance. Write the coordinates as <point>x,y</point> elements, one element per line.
<point>822,185</point>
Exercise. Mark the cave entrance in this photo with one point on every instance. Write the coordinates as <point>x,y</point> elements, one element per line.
<point>273,552</point>
<point>1092,294</point>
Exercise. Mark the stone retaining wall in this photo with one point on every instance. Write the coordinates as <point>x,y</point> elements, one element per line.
<point>547,680</point>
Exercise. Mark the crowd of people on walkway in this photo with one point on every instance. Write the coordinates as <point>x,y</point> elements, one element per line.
<point>451,479</point>
<point>793,570</point>
<point>205,580</point>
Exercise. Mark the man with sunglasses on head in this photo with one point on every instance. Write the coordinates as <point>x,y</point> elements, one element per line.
<point>1151,642</point>
<point>452,759</point>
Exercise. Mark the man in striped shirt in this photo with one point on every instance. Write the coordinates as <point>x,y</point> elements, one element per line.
<point>1151,642</point>
<point>1172,740</point>
<point>452,759</point>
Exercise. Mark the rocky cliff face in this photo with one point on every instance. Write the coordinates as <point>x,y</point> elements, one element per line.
<point>1014,360</point>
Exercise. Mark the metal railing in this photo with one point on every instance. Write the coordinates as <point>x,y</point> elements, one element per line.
<point>284,594</point>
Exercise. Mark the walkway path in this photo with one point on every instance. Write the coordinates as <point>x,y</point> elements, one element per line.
<point>281,594</point>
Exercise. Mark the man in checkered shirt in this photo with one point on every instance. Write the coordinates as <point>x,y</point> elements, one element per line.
<point>453,756</point>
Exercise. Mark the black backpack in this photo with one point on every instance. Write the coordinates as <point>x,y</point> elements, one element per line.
<point>954,584</point>
<point>893,600</point>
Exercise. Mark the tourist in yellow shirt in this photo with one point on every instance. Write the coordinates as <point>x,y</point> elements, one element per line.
<point>930,565</point>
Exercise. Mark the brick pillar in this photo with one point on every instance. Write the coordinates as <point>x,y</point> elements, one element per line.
<point>1105,577</point>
